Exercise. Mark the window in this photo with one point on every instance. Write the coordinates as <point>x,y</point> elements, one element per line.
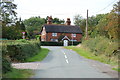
<point>73,35</point>
<point>73,40</point>
<point>54,34</point>
<point>54,40</point>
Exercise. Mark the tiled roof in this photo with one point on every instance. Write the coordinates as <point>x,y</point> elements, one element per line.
<point>62,28</point>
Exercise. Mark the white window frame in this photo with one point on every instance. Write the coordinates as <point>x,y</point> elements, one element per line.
<point>54,34</point>
<point>73,35</point>
<point>74,40</point>
<point>54,40</point>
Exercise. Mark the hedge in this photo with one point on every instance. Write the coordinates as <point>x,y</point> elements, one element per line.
<point>17,51</point>
<point>102,45</point>
<point>44,43</point>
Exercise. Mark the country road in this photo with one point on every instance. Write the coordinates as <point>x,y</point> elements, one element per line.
<point>64,63</point>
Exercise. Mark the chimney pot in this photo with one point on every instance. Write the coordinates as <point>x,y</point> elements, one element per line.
<point>68,22</point>
<point>49,21</point>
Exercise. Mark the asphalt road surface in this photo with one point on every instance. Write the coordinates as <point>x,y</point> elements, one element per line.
<point>64,63</point>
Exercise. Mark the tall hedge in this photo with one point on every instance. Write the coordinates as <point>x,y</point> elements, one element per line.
<point>17,51</point>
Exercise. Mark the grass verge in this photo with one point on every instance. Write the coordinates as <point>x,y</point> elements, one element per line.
<point>40,56</point>
<point>26,73</point>
<point>89,55</point>
<point>18,73</point>
<point>116,69</point>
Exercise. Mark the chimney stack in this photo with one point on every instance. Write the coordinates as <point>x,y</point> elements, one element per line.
<point>68,22</point>
<point>49,21</point>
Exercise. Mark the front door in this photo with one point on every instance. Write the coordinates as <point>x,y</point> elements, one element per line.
<point>65,43</point>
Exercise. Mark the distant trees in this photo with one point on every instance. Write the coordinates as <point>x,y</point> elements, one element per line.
<point>101,24</point>
<point>12,28</point>
<point>55,20</point>
<point>58,21</point>
<point>33,25</point>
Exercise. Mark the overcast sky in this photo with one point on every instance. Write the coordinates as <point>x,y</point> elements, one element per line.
<point>62,9</point>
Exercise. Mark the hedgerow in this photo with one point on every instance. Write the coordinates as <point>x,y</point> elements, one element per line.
<point>17,51</point>
<point>101,45</point>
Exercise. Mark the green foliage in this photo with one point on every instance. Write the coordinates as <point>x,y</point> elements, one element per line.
<point>8,12</point>
<point>40,56</point>
<point>58,21</point>
<point>116,69</point>
<point>101,45</point>
<point>18,51</point>
<point>37,37</point>
<point>87,54</point>
<point>101,24</point>
<point>34,24</point>
<point>18,73</point>
<point>6,65</point>
<point>11,33</point>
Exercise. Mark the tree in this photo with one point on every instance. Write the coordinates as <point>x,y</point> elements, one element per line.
<point>108,25</point>
<point>58,21</point>
<point>7,12</point>
<point>80,21</point>
<point>33,25</point>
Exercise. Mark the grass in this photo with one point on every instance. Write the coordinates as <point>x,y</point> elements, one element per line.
<point>18,73</point>
<point>40,56</point>
<point>116,69</point>
<point>87,54</point>
<point>26,73</point>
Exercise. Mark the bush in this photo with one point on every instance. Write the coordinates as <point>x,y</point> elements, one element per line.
<point>101,45</point>
<point>18,51</point>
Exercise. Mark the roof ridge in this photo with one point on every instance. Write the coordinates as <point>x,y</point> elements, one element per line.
<point>61,25</point>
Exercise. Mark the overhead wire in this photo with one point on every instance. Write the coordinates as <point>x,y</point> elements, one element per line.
<point>106,6</point>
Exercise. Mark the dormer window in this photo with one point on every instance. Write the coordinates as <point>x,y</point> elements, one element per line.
<point>54,34</point>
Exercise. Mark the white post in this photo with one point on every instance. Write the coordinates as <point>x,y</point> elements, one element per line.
<point>72,39</point>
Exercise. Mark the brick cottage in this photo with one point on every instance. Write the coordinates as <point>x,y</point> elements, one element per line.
<point>59,32</point>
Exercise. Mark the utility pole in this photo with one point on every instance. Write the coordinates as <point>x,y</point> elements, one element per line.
<point>86,26</point>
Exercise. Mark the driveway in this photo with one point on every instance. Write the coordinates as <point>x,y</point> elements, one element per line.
<point>64,63</point>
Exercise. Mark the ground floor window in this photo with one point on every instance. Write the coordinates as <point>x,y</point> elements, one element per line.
<point>73,40</point>
<point>54,40</point>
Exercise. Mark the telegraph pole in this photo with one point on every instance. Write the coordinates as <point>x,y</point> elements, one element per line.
<point>86,26</point>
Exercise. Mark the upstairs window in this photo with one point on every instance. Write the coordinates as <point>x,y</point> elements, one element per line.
<point>54,34</point>
<point>73,35</point>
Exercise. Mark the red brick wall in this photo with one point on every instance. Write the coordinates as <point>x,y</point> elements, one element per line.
<point>49,36</point>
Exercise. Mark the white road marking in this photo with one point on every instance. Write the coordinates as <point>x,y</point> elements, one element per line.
<point>67,60</point>
<point>65,56</point>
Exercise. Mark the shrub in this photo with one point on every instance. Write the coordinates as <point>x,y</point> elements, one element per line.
<point>101,45</point>
<point>18,51</point>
